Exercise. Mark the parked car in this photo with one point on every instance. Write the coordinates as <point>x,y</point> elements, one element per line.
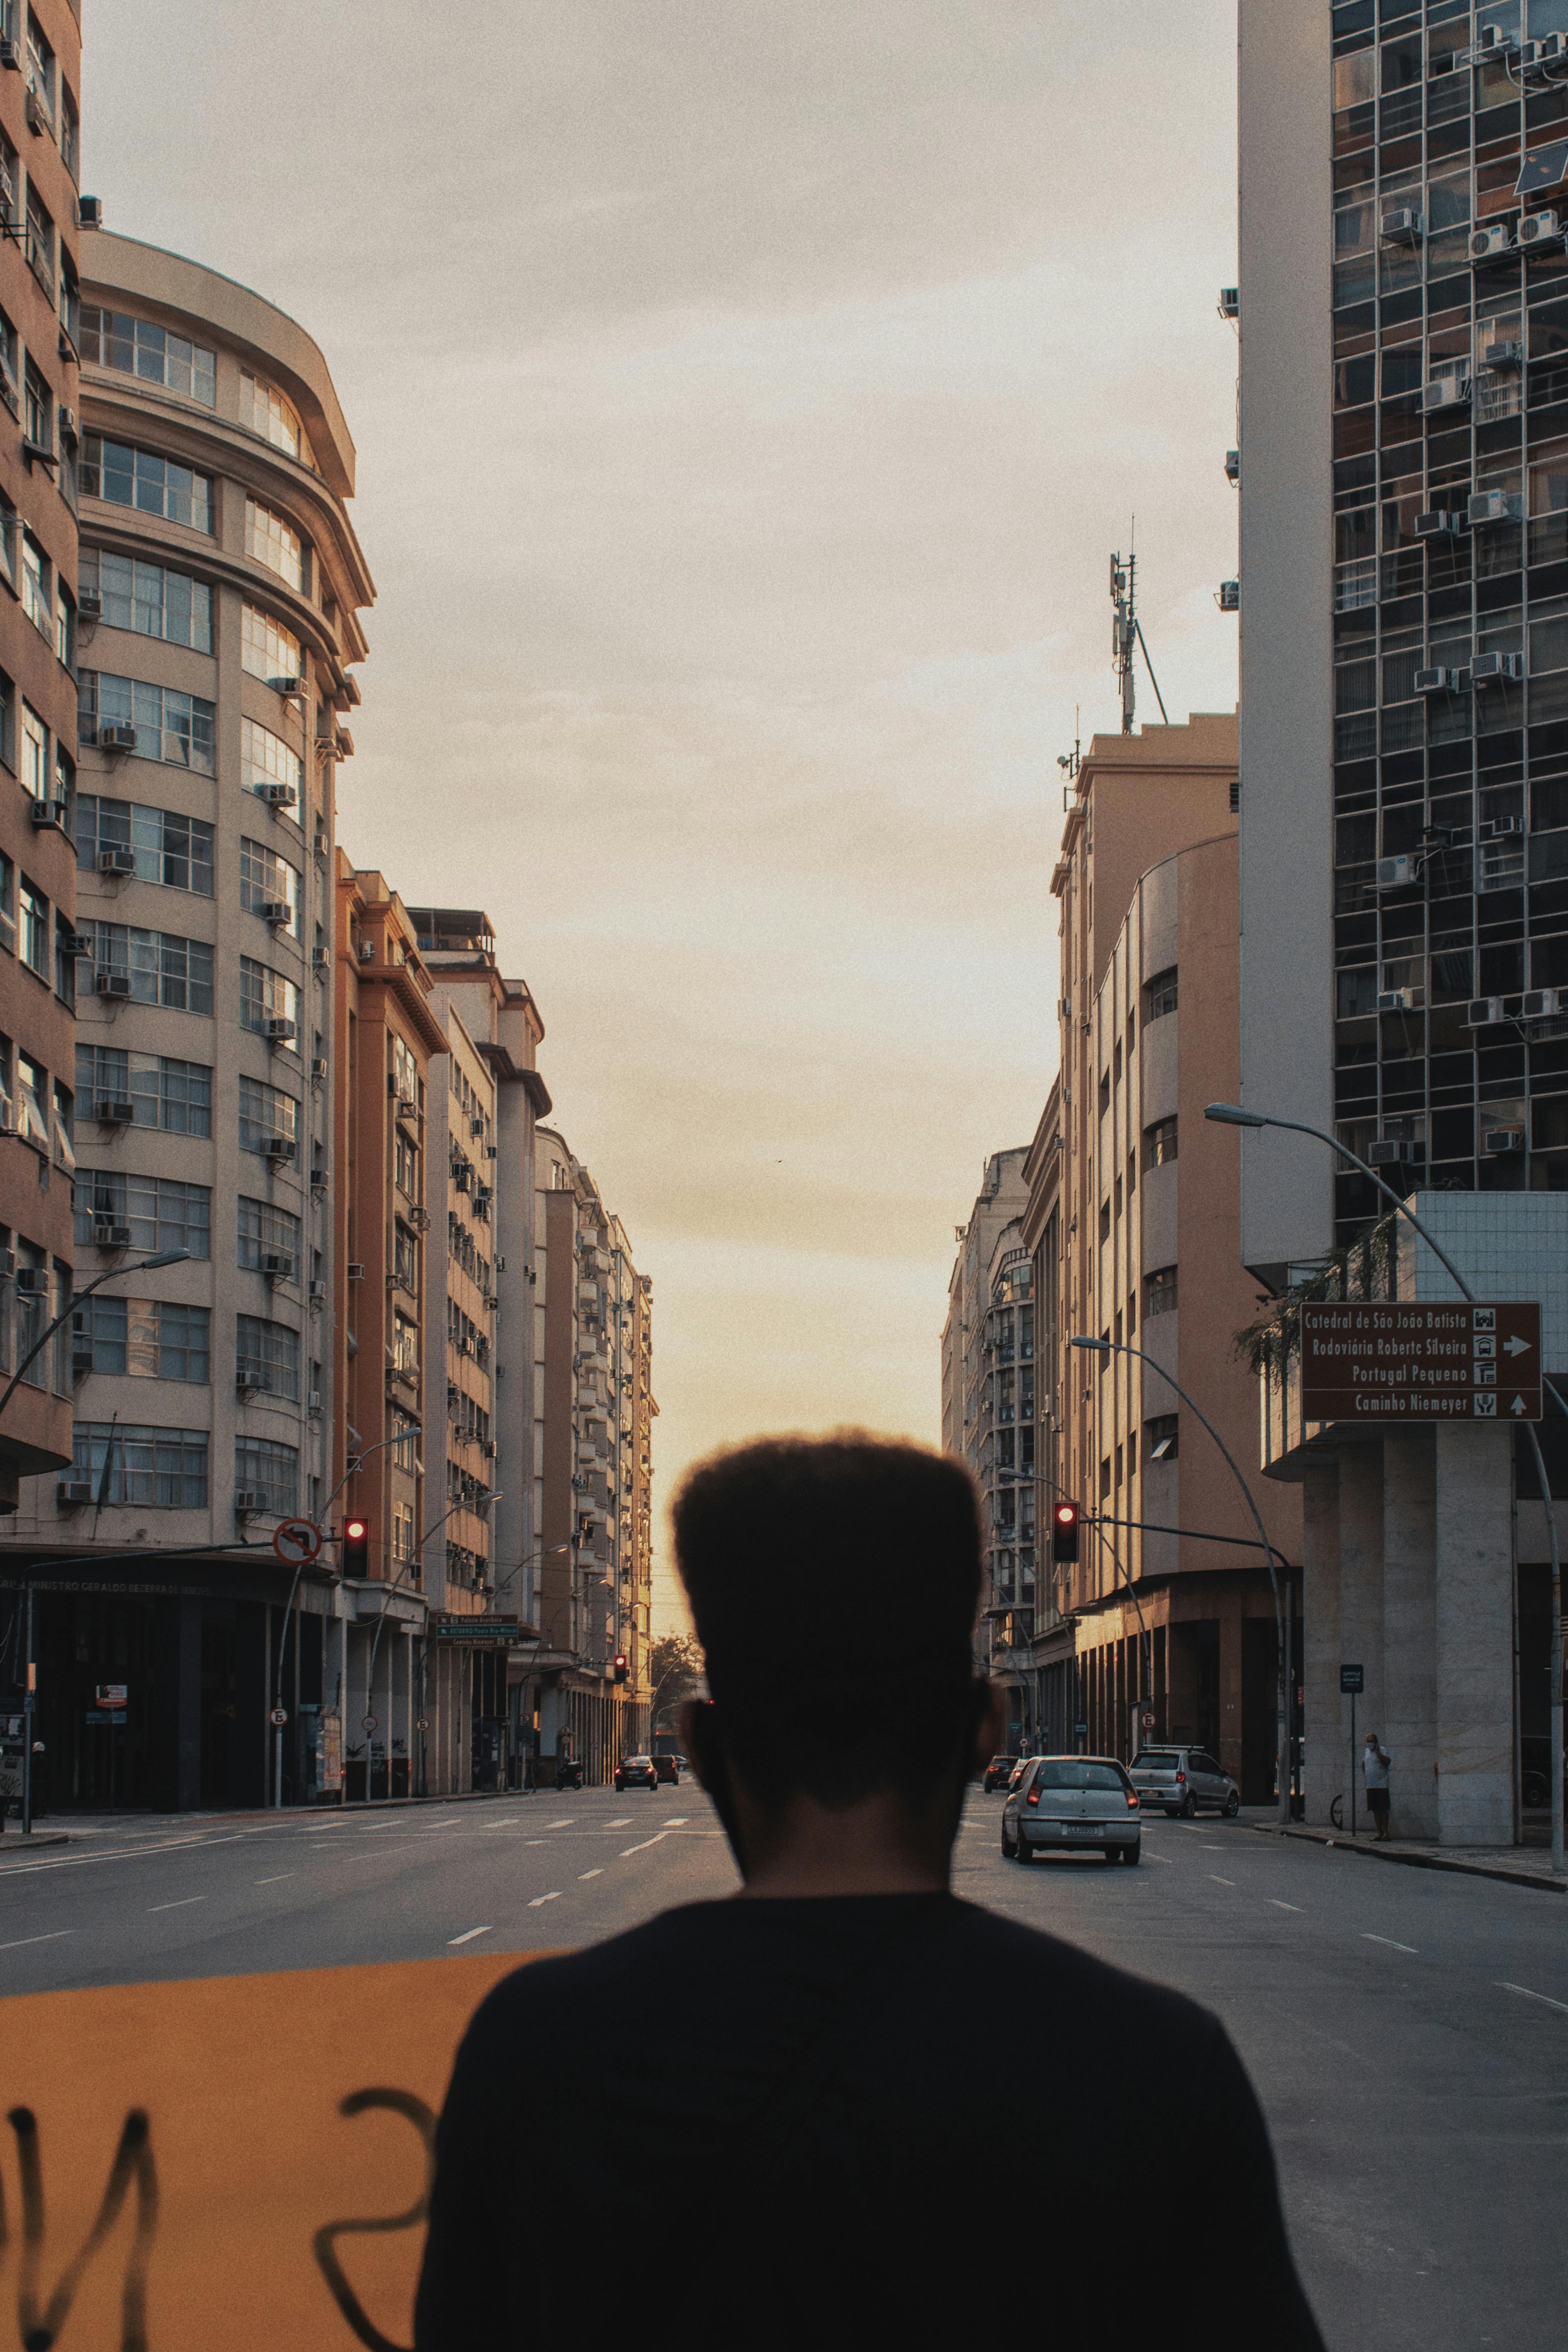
<point>1072,1805</point>
<point>1185,1781</point>
<point>668,1769</point>
<point>636,1772</point>
<point>998,1772</point>
<point>568,1772</point>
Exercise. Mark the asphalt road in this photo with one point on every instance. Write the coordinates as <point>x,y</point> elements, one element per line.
<point>1407,2030</point>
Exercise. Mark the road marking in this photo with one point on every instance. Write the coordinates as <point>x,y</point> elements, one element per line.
<point>538,1899</point>
<point>468,1937</point>
<point>643,1848</point>
<point>1283,1907</point>
<point>619,1823</point>
<point>1543,1997</point>
<point>51,1938</point>
<point>510,1822</point>
<point>179,1905</point>
<point>1213,1849</point>
<point>1369,1938</point>
<point>590,1874</point>
<point>1221,1882</point>
<point>561,1825</point>
<point>1162,1857</point>
<point>272,1882</point>
<point>678,1821</point>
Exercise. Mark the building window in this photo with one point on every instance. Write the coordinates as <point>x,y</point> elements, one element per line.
<point>176,851</point>
<point>1159,995</point>
<point>1160,1143</point>
<point>267,880</point>
<point>144,1339</point>
<point>405,1343</point>
<point>125,477</point>
<point>1160,1436</point>
<point>162,968</point>
<point>172,727</point>
<point>265,1112</point>
<point>403,1535</point>
<point>65,960</point>
<point>112,339</point>
<point>273,1471</point>
<point>267,1232</point>
<point>38,409</point>
<point>1159,1291</point>
<point>263,408</point>
<point>154,1469</point>
<point>35,754</point>
<point>161,1213</point>
<point>265,758</point>
<point>1105,1478</point>
<point>150,599</point>
<point>40,240</point>
<point>70,132</point>
<point>173,1095</point>
<point>7,903</point>
<point>267,650</point>
<point>37,602</point>
<point>33,911</point>
<point>65,625</point>
<point>40,66</point>
<point>270,1353</point>
<point>265,995</point>
<point>270,540</point>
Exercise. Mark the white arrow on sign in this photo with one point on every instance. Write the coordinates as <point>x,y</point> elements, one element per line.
<point>1516,1347</point>
<point>1518,1405</point>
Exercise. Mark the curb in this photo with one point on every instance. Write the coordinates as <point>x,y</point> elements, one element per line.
<point>1418,1861</point>
<point>28,1846</point>
<point>294,1812</point>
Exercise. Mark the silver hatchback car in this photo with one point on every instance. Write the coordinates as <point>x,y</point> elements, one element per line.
<point>1072,1805</point>
<point>1183,1779</point>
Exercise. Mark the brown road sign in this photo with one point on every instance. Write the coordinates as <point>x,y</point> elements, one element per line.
<point>1385,1360</point>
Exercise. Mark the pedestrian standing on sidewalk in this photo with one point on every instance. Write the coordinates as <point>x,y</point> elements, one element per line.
<point>1375,1763</point>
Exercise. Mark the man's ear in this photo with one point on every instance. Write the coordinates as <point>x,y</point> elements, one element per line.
<point>993,1721</point>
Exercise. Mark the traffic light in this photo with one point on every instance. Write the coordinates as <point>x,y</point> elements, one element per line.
<point>618,1669</point>
<point>1065,1520</point>
<point>356,1546</point>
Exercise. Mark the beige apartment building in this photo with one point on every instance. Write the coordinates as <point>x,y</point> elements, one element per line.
<point>40,340</point>
<point>1129,1222</point>
<point>220,584</point>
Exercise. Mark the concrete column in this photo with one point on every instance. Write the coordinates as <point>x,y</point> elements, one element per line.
<point>1361,1613</point>
<point>1228,1741</point>
<point>1408,1724</point>
<point>1474,1633</point>
<point>1319,1668</point>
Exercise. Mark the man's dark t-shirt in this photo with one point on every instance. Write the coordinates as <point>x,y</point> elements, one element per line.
<point>878,2119</point>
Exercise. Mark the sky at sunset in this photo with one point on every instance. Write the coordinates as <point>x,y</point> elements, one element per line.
<point>748,395</point>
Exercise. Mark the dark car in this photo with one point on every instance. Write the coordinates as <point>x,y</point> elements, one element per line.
<point>668,1769</point>
<point>999,1771</point>
<point>568,1773</point>
<point>636,1772</point>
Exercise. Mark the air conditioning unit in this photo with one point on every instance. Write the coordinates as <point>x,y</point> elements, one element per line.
<point>1484,1012</point>
<point>247,1383</point>
<point>111,1112</point>
<point>1448,391</point>
<point>1491,243</point>
<point>1443,525</point>
<point>68,433</point>
<point>45,813</point>
<point>355,1270</point>
<point>1503,1138</point>
<point>278,795</point>
<point>91,209</point>
<point>117,861</point>
<point>280,1148</point>
<point>1499,828</point>
<point>1401,225</point>
<point>318,1294</point>
<point>1230,302</point>
<point>72,1494</point>
<point>279,1032</point>
<point>1493,669</point>
<point>1491,42</point>
<point>313,1404</point>
<point>1397,1000</point>
<point>88,604</point>
<point>1397,873</point>
<point>248,1500</point>
<point>275,910</point>
<point>1495,506</point>
<point>108,1236</point>
<point>1539,229</point>
<point>287,686</point>
<point>1503,354</point>
<point>407,1107</point>
<point>1390,1154</point>
<point>491,1151</point>
<point>1544,1003</point>
<point>1436,681</point>
<point>579,1483</point>
<point>11,55</point>
<point>318,1068</point>
<point>112,984</point>
<point>475,1126</point>
<point>37,113</point>
<point>32,1282</point>
<point>367,951</point>
<point>117,737</point>
<point>319,958</point>
<point>1233,467</point>
<point>277,1266</point>
<point>491,1449</point>
<point>483,1196</point>
<point>1551,49</point>
<point>1229,596</point>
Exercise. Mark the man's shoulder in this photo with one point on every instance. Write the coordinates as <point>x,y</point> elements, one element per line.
<point>1031,1962</point>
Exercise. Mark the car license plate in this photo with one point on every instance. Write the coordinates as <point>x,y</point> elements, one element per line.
<point>1083,1829</point>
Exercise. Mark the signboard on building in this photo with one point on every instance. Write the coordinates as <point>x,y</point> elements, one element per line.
<point>1398,1360</point>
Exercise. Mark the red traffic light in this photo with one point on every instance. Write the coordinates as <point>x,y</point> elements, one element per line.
<point>356,1546</point>
<point>1065,1520</point>
<point>618,1667</point>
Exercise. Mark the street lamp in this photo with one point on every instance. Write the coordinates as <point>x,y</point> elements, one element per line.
<point>29,1696</point>
<point>1233,1114</point>
<point>1281,1758</point>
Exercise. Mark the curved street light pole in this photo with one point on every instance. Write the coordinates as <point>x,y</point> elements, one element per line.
<point>1233,1114</point>
<point>1282,1759</point>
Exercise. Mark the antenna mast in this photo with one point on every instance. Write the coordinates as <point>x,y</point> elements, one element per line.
<point>1126,636</point>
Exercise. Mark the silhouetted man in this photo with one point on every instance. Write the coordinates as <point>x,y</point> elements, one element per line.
<point>786,2118</point>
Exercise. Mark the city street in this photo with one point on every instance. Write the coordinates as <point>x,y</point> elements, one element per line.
<point>1407,2030</point>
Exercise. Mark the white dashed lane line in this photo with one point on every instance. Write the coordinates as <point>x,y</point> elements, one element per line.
<point>1221,1882</point>
<point>468,1938</point>
<point>590,1874</point>
<point>1545,1997</point>
<point>179,1905</point>
<point>272,1882</point>
<point>567,1824</point>
<point>619,1823</point>
<point>643,1846</point>
<point>678,1821</point>
<point>53,1938</point>
<point>538,1899</point>
<point>1283,1907</point>
<point>1368,1938</point>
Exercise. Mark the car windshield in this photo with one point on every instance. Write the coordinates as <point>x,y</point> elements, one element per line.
<point>1072,1772</point>
<point>998,1761</point>
<point>1157,1760</point>
<point>636,1763</point>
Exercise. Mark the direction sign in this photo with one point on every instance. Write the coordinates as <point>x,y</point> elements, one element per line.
<point>1394,1359</point>
<point>1352,1679</point>
<point>278,1718</point>
<point>295,1541</point>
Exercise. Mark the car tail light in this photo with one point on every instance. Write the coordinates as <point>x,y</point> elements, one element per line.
<point>1181,1776</point>
<point>1033,1797</point>
<point>1132,1797</point>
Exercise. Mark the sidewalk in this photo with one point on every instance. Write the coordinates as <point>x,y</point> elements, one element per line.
<point>1522,1865</point>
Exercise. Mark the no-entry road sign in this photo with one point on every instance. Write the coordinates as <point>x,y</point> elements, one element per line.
<point>1393,1361</point>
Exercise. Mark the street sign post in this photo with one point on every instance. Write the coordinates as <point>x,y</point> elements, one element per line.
<point>280,1717</point>
<point>1147,1718</point>
<point>296,1541</point>
<point>1353,1682</point>
<point>1398,1360</point>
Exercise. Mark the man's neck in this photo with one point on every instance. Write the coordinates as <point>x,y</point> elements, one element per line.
<point>870,1847</point>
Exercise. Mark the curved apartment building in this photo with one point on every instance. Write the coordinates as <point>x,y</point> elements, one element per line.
<point>220,584</point>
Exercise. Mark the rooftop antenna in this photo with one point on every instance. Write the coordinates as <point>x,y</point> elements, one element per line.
<point>1070,762</point>
<point>1127,633</point>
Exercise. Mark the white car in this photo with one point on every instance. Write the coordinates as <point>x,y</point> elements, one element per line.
<point>1072,1805</point>
<point>1184,1779</point>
